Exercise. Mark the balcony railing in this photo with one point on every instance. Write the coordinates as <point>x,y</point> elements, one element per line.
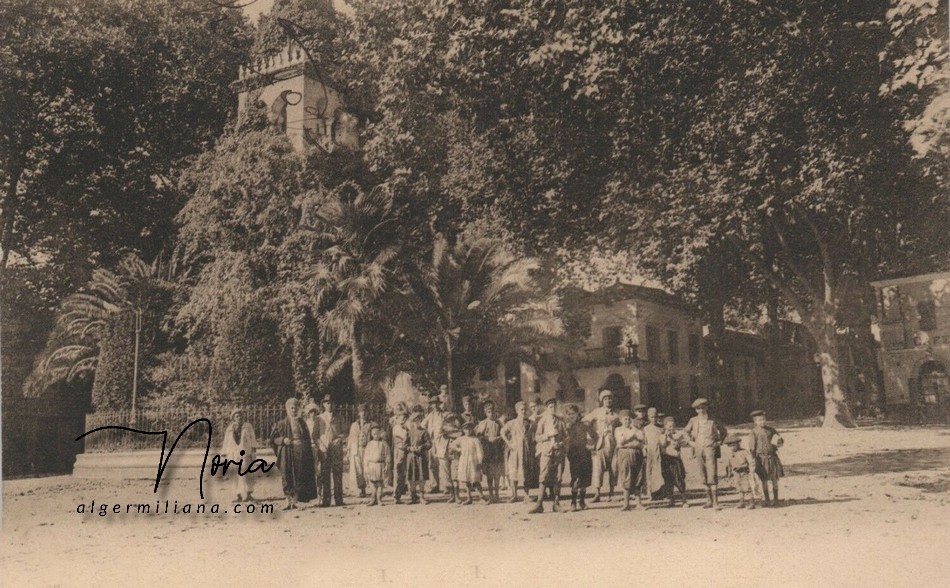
<point>604,356</point>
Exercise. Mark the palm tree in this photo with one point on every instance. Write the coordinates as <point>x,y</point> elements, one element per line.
<point>354,270</point>
<point>485,305</point>
<point>85,318</point>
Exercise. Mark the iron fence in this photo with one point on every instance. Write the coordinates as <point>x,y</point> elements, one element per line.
<point>262,418</point>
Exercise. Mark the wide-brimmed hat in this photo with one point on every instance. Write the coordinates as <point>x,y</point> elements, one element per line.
<point>700,402</point>
<point>311,407</point>
<point>640,407</point>
<point>732,439</point>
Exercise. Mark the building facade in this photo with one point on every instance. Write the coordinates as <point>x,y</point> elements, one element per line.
<point>643,344</point>
<point>914,323</point>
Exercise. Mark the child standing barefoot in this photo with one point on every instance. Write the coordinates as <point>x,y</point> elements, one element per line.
<point>674,472</point>
<point>740,468</point>
<point>417,448</point>
<point>376,464</point>
<point>764,446</point>
<point>628,458</point>
<point>470,456</point>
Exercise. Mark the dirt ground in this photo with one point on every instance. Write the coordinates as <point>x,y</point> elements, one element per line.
<point>866,507</point>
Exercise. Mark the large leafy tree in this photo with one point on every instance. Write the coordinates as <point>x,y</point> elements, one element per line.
<point>476,304</point>
<point>357,261</point>
<point>741,150</point>
<point>101,102</point>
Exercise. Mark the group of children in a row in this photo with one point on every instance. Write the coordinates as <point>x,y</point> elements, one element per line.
<point>639,452</point>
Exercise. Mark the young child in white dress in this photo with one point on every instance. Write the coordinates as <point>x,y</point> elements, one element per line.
<point>468,450</point>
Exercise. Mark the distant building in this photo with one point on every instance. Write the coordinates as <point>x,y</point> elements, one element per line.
<point>647,346</point>
<point>644,344</point>
<point>774,371</point>
<point>297,101</point>
<point>914,321</point>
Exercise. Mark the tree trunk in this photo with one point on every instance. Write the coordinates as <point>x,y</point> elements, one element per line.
<point>453,401</point>
<point>837,412</point>
<point>7,210</point>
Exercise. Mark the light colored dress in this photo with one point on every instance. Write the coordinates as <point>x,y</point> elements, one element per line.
<point>515,433</point>
<point>470,457</point>
<point>376,458</point>
<point>653,450</point>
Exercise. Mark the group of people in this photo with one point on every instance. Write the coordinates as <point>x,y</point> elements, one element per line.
<point>638,452</point>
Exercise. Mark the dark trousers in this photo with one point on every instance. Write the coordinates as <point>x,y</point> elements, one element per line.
<point>332,468</point>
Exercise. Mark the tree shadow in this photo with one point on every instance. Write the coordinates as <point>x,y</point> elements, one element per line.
<point>875,462</point>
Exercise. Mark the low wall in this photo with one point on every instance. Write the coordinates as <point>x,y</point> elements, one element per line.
<point>184,463</point>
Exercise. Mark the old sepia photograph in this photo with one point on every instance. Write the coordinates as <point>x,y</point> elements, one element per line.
<point>475,293</point>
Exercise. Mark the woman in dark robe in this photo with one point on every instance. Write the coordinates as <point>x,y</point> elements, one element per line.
<point>291,442</point>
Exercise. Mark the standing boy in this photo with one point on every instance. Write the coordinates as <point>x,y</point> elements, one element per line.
<point>550,435</point>
<point>740,467</point>
<point>581,440</point>
<point>489,431</point>
<point>705,435</point>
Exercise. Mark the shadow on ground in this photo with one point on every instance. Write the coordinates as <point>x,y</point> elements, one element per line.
<point>877,462</point>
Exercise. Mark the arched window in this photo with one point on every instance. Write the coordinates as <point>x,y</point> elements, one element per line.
<point>569,389</point>
<point>934,383</point>
<point>616,384</point>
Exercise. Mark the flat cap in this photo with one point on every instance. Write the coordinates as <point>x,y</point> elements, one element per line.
<point>700,402</point>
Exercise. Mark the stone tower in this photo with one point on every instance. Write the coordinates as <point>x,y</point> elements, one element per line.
<point>297,101</point>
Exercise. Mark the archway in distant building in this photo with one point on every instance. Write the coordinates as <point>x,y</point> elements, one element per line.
<point>933,383</point>
<point>569,389</point>
<point>616,384</point>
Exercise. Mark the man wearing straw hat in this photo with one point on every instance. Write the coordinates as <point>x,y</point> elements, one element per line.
<point>603,419</point>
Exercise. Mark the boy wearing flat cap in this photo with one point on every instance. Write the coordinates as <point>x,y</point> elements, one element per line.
<point>550,435</point>
<point>603,420</point>
<point>764,445</point>
<point>705,435</point>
